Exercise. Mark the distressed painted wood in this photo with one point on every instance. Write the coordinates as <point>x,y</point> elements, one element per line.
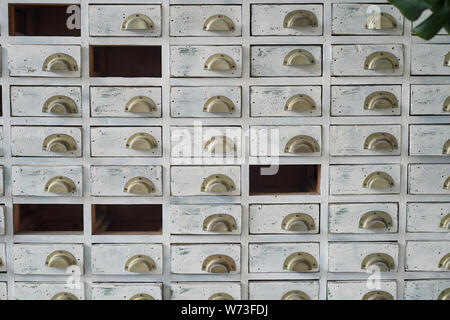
<point>355,290</point>
<point>111,180</point>
<point>3,291</point>
<point>110,259</point>
<point>428,178</point>
<point>46,290</point>
<point>426,217</point>
<point>429,99</point>
<point>425,289</point>
<point>3,257</point>
<point>2,220</point>
<point>268,218</point>
<point>125,291</point>
<point>429,140</point>
<point>275,290</point>
<point>425,255</point>
<point>203,290</point>
<point>428,59</point>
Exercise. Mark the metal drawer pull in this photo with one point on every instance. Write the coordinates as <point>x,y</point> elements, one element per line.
<point>381,141</point>
<point>381,60</point>
<point>300,102</point>
<point>378,180</point>
<point>60,105</point>
<point>380,100</point>
<point>220,62</point>
<point>381,21</point>
<point>444,263</point>
<point>219,104</point>
<point>302,144</point>
<point>220,222</point>
<point>64,296</point>
<point>375,220</point>
<point>219,263</point>
<point>218,22</point>
<point>218,183</point>
<point>295,295</point>
<point>381,261</point>
<point>220,145</point>
<point>444,295</point>
<point>60,259</point>
<point>446,185</point>
<point>140,264</point>
<point>59,142</point>
<point>446,148</point>
<point>142,296</point>
<point>378,295</point>
<point>61,185</point>
<point>137,22</point>
<point>447,60</point>
<point>139,185</point>
<point>445,222</point>
<point>300,262</point>
<point>300,19</point>
<point>1,263</point>
<point>298,57</point>
<point>60,62</point>
<point>446,107</point>
<point>221,296</point>
<point>299,222</point>
<point>140,104</point>
<point>141,141</point>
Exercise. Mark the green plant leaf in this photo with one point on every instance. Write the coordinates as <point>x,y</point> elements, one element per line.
<point>447,27</point>
<point>431,26</point>
<point>412,9</point>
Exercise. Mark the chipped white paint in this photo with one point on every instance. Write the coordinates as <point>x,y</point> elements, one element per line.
<point>426,217</point>
<point>2,220</point>
<point>3,291</point>
<point>428,178</point>
<point>125,291</point>
<point>425,289</point>
<point>4,263</point>
<point>46,290</point>
<point>355,290</point>
<point>429,99</point>
<point>203,290</point>
<point>429,140</point>
<point>425,255</point>
<point>428,59</point>
<point>275,290</point>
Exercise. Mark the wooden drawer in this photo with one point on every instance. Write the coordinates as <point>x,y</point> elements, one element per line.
<point>126,142</point>
<point>430,100</point>
<point>433,289</point>
<point>48,291</point>
<point>365,140</point>
<point>283,257</point>
<point>126,291</point>
<point>367,60</point>
<point>361,290</point>
<point>286,61</point>
<point>367,218</point>
<point>45,101</point>
<point>365,179</point>
<point>125,20</point>
<point>206,61</point>
<point>206,258</point>
<point>44,61</point>
<point>430,59</point>
<point>349,101</point>
<point>3,260</point>
<point>205,21</point>
<point>286,101</point>
<point>205,219</point>
<point>3,291</point>
<point>33,141</point>
<point>283,290</point>
<point>126,181</point>
<point>429,140</point>
<point>284,218</point>
<point>47,181</point>
<point>428,217</point>
<point>127,259</point>
<point>286,20</point>
<point>205,180</point>
<point>362,257</point>
<point>205,291</point>
<point>429,179</point>
<point>2,220</point>
<point>205,102</point>
<point>126,102</point>
<point>48,258</point>
<point>427,256</point>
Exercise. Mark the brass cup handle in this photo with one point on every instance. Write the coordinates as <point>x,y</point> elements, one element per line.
<point>142,296</point>
<point>221,296</point>
<point>381,141</point>
<point>300,102</point>
<point>64,296</point>
<point>445,222</point>
<point>381,261</point>
<point>381,21</point>
<point>220,62</point>
<point>59,142</point>
<point>219,263</point>
<point>218,104</point>
<point>446,147</point>
<point>140,104</point>
<point>375,220</point>
<point>300,19</point>
<point>378,295</point>
<point>302,144</point>
<point>444,263</point>
<point>300,262</point>
<point>1,263</point>
<point>446,185</point>
<point>298,57</point>
<point>60,105</point>
<point>220,145</point>
<point>380,100</point>
<point>220,222</point>
<point>446,106</point>
<point>218,23</point>
<point>444,295</point>
<point>136,22</point>
<point>295,295</point>
<point>60,259</point>
<point>139,185</point>
<point>61,185</point>
<point>140,264</point>
<point>378,181</point>
<point>381,60</point>
<point>141,141</point>
<point>298,222</point>
<point>447,60</point>
<point>60,62</point>
<point>218,183</point>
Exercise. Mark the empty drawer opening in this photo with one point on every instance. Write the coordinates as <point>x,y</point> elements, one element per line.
<point>288,179</point>
<point>125,61</point>
<point>44,20</point>
<point>48,218</point>
<point>127,219</point>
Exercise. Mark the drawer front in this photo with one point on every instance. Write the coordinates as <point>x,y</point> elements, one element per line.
<point>286,20</point>
<point>283,290</point>
<point>205,219</point>
<point>361,290</point>
<point>286,61</point>
<point>3,291</point>
<point>125,20</point>
<point>47,181</point>
<point>126,142</point>
<point>367,218</point>
<point>31,141</point>
<point>127,291</point>
<point>426,289</point>
<point>205,21</point>
<point>205,141</point>
<point>365,179</point>
<point>427,256</point>
<point>362,257</point>
<point>286,101</point>
<point>205,102</point>
<point>206,258</point>
<point>429,140</point>
<point>366,60</point>
<point>365,140</point>
<point>430,59</point>
<point>430,100</point>
<point>206,61</point>
<point>126,181</point>
<point>348,101</point>
<point>2,220</point>
<point>127,259</point>
<point>205,180</point>
<point>48,291</point>
<point>286,141</point>
<point>48,259</point>
<point>284,218</point>
<point>429,179</point>
<point>3,257</point>
<point>44,61</point>
<point>366,19</point>
<point>45,101</point>
<point>126,102</point>
<point>205,290</point>
<point>283,257</point>
<point>428,217</point>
